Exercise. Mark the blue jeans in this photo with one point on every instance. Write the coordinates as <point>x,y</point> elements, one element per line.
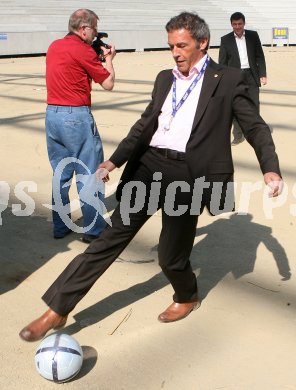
<point>71,133</point>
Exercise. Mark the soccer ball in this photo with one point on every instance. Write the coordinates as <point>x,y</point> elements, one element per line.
<point>58,358</point>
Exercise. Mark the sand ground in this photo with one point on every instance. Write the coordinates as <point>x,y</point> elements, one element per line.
<point>243,336</point>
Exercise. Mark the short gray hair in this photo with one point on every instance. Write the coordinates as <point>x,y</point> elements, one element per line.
<point>82,17</point>
<point>196,26</point>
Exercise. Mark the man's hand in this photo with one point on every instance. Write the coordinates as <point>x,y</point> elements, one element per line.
<point>263,80</point>
<point>109,51</point>
<point>104,169</point>
<point>274,182</point>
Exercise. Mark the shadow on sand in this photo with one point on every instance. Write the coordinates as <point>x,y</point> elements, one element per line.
<point>228,246</point>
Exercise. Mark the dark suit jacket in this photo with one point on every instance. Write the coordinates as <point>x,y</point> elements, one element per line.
<point>208,151</point>
<point>229,56</point>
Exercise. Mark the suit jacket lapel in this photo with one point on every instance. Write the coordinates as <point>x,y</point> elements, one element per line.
<point>163,90</point>
<point>234,48</point>
<point>211,79</point>
<point>248,43</point>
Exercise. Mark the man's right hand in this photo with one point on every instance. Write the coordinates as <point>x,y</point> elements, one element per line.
<point>104,169</point>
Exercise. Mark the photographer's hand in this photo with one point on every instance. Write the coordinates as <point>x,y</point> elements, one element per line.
<point>108,51</point>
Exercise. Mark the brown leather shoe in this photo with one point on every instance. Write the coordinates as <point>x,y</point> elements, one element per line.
<point>178,311</point>
<point>37,329</point>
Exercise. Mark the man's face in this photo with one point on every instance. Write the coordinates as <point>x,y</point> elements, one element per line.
<point>185,50</point>
<point>238,27</point>
<point>88,33</point>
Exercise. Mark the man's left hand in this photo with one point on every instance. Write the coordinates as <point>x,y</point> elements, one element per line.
<point>274,182</point>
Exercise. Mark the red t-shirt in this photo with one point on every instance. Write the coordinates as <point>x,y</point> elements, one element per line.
<point>71,65</point>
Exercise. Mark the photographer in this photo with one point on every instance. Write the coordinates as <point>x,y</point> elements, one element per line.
<point>71,65</point>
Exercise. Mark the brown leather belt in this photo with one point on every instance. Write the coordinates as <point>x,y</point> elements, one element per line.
<point>170,153</point>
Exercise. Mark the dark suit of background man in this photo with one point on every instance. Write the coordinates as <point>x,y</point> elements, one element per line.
<point>177,151</point>
<point>242,49</point>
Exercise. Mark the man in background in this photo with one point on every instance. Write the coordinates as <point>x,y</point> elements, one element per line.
<point>71,132</point>
<point>242,49</point>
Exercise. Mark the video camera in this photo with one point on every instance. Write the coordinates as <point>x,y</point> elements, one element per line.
<point>98,43</point>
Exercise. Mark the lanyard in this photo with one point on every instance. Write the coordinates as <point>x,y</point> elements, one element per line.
<point>175,106</point>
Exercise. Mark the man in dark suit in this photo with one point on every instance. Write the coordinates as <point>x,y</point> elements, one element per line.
<point>179,160</point>
<point>242,49</point>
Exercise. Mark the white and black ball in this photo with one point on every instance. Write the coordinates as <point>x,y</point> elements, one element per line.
<point>58,358</point>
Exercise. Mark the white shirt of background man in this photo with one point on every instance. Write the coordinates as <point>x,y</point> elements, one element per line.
<point>242,50</point>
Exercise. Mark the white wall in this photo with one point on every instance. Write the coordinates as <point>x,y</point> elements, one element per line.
<point>28,26</point>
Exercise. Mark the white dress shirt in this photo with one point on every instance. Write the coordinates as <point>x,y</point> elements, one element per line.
<point>242,50</point>
<point>177,136</point>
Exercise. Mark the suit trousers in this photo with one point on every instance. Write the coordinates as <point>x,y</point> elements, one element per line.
<point>158,183</point>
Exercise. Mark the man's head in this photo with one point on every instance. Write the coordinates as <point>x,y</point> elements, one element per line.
<point>238,21</point>
<point>188,39</point>
<point>83,22</point>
